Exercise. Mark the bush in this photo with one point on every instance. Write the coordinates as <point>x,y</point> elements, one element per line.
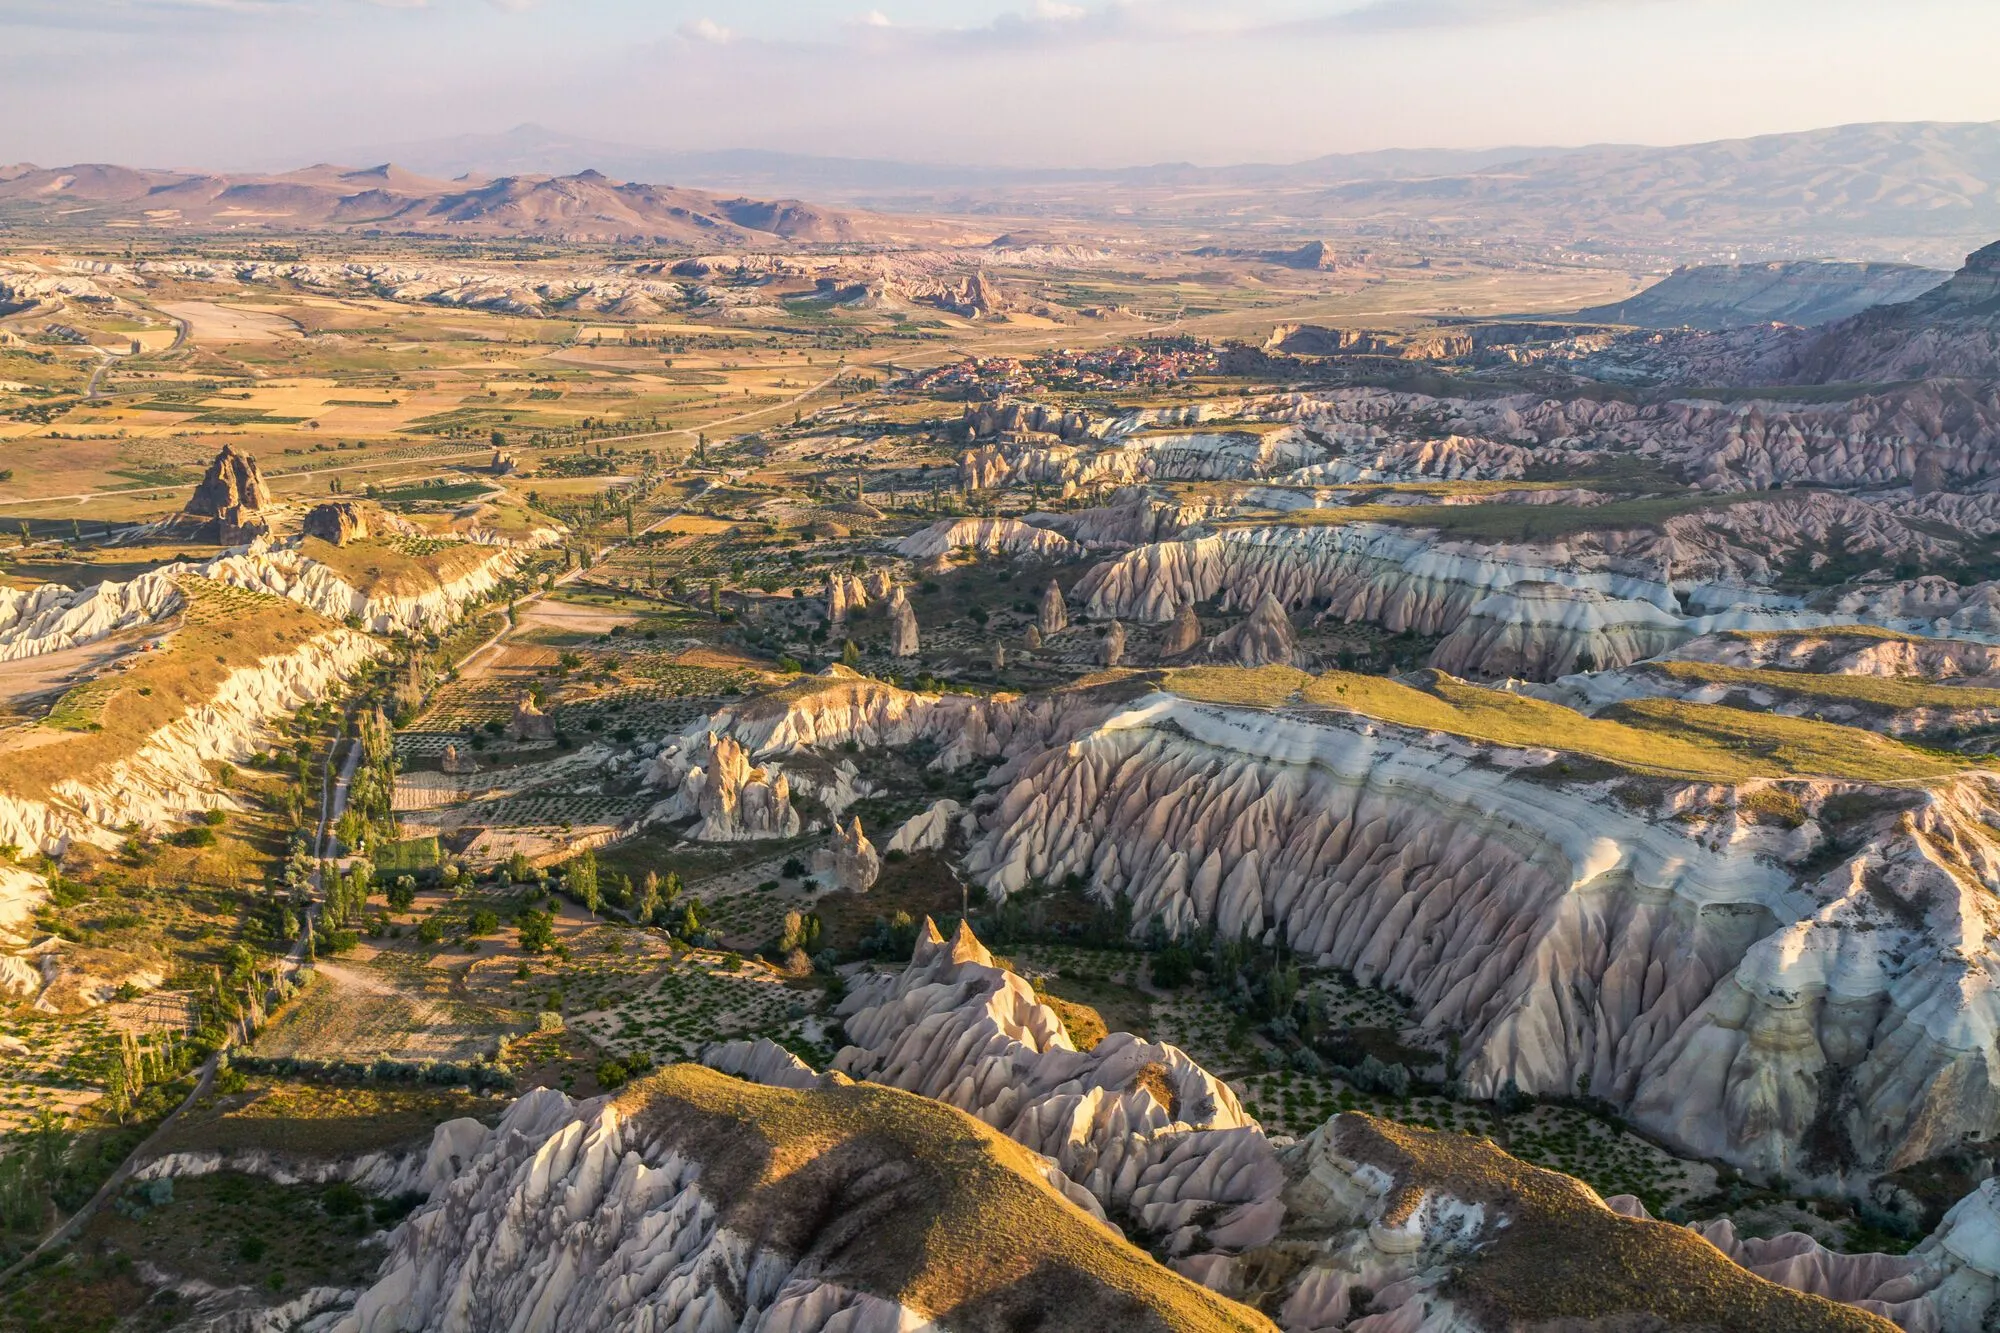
<point>199,836</point>
<point>1173,967</point>
<point>214,818</point>
<point>537,931</point>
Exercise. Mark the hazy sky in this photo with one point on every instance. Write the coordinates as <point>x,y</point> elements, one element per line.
<point>217,83</point>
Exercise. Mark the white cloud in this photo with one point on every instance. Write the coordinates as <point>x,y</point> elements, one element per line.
<point>706,29</point>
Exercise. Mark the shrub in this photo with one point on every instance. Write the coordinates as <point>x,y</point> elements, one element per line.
<point>199,836</point>
<point>537,931</point>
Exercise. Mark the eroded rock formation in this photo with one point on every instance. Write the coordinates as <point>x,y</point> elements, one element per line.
<point>1262,638</point>
<point>1009,536</point>
<point>338,522</point>
<point>1701,982</point>
<point>902,625</point>
<point>850,862</point>
<point>1054,616</point>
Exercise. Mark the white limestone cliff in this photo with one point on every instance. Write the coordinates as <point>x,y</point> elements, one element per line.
<point>167,778</point>
<point>1571,941</point>
<point>989,536</point>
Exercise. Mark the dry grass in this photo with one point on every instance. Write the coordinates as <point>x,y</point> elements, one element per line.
<point>916,1202</point>
<point>391,566</point>
<point>1564,1256</point>
<point>1662,738</point>
<point>1897,693</point>
<point>312,1120</point>
<point>1086,1027</point>
<point>221,630</point>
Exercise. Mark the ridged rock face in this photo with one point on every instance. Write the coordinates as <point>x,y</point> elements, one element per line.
<point>1441,1232</point>
<point>1262,638</point>
<point>1009,536</point>
<point>338,523</point>
<point>1454,458</point>
<point>53,617</point>
<point>1539,631</point>
<point>1539,609</point>
<point>929,831</point>
<point>1729,999</point>
<point>1132,516</point>
<point>1899,1287</point>
<point>1831,652</point>
<point>1161,1144</point>
<point>1870,440</point>
<point>232,483</point>
<point>1054,618</point>
<point>1161,453</point>
<point>662,1210</point>
<point>168,778</point>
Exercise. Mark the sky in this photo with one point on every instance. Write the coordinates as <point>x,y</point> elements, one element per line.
<point>221,84</point>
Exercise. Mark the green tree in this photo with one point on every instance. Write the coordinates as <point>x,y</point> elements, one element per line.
<point>583,881</point>
<point>537,931</point>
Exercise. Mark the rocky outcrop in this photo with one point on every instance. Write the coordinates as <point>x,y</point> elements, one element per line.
<point>1008,536</point>
<point>929,831</point>
<point>850,862</point>
<point>1054,616</point>
<point>1700,980</point>
<point>1183,632</point>
<point>844,593</point>
<point>1539,608</point>
<point>1432,1231</point>
<point>233,484</point>
<point>52,617</point>
<point>1453,458</point>
<point>337,523</point>
<point>529,725</point>
<point>902,625</point>
<point>716,783</point>
<point>1138,448</point>
<point>984,420</point>
<point>1262,638</point>
<point>1111,651</point>
<point>1160,1143</point>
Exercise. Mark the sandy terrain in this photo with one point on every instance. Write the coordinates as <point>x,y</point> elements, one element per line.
<point>210,322</point>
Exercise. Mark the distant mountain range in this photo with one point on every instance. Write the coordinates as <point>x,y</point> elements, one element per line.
<point>536,150</point>
<point>584,207</point>
<point>1919,192</point>
<point>1925,191</point>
